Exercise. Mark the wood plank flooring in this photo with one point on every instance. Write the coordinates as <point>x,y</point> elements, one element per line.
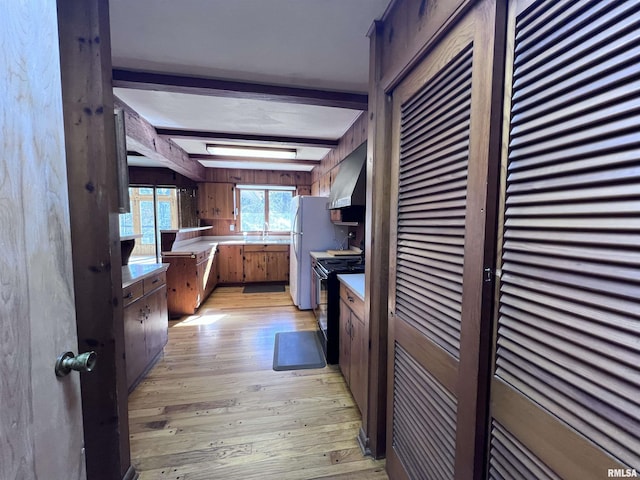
<point>213,408</point>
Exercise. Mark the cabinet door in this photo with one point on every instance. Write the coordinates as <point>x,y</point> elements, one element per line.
<point>358,364</point>
<point>221,201</point>
<point>230,263</point>
<point>255,266</point>
<point>201,275</point>
<point>182,284</point>
<point>156,324</point>
<point>215,201</point>
<point>134,340</point>
<point>212,274</point>
<point>345,341</point>
<point>278,266</point>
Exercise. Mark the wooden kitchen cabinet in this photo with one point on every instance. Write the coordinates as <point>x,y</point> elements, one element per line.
<point>255,264</point>
<point>145,325</point>
<point>190,280</point>
<point>215,201</point>
<point>353,345</point>
<point>230,264</point>
<point>266,263</point>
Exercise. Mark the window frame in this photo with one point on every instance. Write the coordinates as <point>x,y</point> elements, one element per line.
<point>266,189</point>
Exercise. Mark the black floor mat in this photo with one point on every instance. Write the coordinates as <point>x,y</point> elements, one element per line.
<point>297,351</point>
<point>269,288</point>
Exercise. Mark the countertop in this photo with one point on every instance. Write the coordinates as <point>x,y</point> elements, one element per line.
<point>125,238</point>
<point>252,240</point>
<point>137,271</point>
<point>192,248</point>
<point>187,230</point>
<point>355,282</point>
<point>325,254</point>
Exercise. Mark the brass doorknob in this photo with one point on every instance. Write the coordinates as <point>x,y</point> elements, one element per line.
<point>85,362</point>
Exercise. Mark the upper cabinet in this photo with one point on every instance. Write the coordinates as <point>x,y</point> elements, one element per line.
<point>215,201</point>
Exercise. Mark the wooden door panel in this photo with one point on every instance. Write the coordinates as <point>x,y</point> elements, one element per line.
<point>255,267</point>
<point>568,312</point>
<point>442,137</point>
<point>41,426</point>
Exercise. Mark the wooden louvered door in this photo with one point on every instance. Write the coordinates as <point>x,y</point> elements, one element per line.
<point>565,395</point>
<point>442,141</point>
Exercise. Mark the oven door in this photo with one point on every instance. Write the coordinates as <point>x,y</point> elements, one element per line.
<point>319,296</point>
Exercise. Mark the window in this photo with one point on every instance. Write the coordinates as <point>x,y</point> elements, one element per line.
<point>150,213</point>
<point>265,208</point>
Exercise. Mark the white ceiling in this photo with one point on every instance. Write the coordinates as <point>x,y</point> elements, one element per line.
<point>319,44</point>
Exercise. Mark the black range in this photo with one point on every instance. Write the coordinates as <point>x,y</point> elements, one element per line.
<point>325,299</point>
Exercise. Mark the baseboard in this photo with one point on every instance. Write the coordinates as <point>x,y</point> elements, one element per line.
<point>363,441</point>
<point>131,474</point>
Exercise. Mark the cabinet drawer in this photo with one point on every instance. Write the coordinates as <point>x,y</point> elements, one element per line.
<point>151,283</point>
<point>353,301</point>
<point>266,248</point>
<point>202,256</point>
<point>132,293</point>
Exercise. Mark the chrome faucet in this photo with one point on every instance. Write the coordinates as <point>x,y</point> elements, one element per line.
<point>265,230</point>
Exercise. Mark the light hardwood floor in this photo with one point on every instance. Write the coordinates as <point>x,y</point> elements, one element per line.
<point>213,408</point>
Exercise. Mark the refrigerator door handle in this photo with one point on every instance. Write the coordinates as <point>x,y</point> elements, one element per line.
<point>296,233</point>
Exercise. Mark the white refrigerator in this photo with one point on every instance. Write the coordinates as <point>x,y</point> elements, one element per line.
<point>311,230</point>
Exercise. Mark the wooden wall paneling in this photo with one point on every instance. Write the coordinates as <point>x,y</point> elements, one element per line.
<point>158,177</point>
<point>315,189</point>
<point>303,190</point>
<point>91,168</point>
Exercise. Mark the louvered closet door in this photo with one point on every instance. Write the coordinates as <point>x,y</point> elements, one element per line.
<point>441,122</point>
<point>566,389</point>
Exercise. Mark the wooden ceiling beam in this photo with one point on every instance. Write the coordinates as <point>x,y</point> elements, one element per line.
<point>242,137</point>
<point>226,88</point>
<point>142,138</point>
<point>225,158</point>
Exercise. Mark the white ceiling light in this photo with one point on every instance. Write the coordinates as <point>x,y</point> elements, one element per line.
<point>253,152</point>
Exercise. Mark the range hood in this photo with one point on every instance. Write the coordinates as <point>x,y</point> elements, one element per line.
<point>349,187</point>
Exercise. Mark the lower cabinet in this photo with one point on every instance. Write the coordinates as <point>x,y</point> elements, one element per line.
<point>190,280</point>
<point>266,263</point>
<point>230,263</point>
<point>145,325</point>
<point>353,345</point>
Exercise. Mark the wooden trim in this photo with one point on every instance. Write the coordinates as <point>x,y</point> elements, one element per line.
<point>421,47</point>
<point>229,158</point>
<point>87,96</point>
<point>227,88</point>
<point>142,137</point>
<point>394,466</point>
<point>431,357</point>
<point>131,474</point>
<point>377,250</point>
<point>566,452</point>
<point>480,238</point>
<point>395,469</point>
<point>245,138</point>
